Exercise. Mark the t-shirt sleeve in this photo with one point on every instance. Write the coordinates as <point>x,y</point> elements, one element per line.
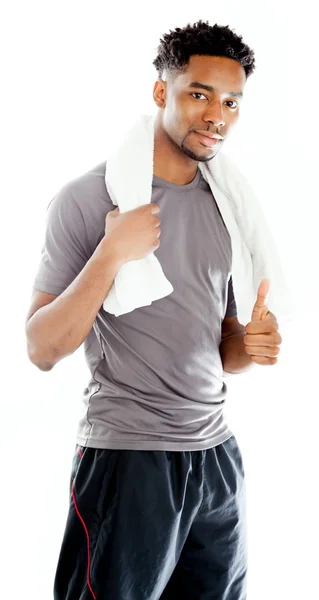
<point>231,310</point>
<point>65,250</point>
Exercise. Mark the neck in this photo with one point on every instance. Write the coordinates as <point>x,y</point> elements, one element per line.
<point>170,162</point>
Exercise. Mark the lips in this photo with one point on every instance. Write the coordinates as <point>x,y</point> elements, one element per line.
<point>209,142</point>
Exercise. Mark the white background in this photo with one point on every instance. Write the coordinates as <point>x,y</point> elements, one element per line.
<point>74,74</point>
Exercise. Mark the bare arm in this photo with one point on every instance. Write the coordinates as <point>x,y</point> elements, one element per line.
<point>57,329</point>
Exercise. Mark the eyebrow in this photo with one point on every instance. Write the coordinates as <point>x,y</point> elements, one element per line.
<point>209,88</point>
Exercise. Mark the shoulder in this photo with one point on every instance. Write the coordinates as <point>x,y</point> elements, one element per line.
<point>88,189</point>
<point>82,204</point>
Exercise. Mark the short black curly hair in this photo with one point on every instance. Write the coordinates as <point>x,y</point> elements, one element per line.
<point>176,47</point>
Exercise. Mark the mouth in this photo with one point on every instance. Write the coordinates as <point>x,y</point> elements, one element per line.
<point>208,142</point>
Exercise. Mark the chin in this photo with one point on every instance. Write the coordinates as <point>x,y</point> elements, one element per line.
<point>199,157</point>
<point>206,158</point>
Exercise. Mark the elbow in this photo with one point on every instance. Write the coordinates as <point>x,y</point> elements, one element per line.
<point>40,363</point>
<point>44,366</point>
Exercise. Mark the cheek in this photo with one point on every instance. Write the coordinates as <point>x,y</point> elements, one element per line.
<point>173,123</point>
<point>180,110</point>
<point>233,118</point>
<point>170,124</point>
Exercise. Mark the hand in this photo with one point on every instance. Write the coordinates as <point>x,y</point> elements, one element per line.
<point>134,233</point>
<point>262,338</point>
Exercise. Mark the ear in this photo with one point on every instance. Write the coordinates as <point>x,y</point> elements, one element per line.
<point>159,93</point>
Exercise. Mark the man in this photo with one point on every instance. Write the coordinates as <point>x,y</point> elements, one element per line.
<point>157,492</point>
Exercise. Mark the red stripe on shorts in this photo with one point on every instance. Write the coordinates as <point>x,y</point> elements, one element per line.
<point>88,540</point>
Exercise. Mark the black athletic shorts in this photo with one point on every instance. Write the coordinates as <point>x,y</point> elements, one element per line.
<point>154,524</point>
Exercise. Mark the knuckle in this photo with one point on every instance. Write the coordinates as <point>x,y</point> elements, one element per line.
<point>276,338</point>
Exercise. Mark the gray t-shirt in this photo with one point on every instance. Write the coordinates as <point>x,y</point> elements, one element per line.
<point>156,378</point>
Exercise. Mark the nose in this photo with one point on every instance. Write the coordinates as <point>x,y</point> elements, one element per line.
<point>214,114</point>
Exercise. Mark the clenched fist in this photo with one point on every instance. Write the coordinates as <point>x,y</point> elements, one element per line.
<point>134,233</point>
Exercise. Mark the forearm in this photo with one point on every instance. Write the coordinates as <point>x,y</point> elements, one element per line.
<point>234,358</point>
<point>59,328</point>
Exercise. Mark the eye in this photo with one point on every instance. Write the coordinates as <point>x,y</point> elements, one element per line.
<point>198,94</point>
<point>232,102</point>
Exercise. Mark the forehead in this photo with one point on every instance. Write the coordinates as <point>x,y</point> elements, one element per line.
<point>217,71</point>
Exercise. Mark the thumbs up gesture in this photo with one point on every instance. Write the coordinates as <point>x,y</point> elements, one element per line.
<point>262,339</point>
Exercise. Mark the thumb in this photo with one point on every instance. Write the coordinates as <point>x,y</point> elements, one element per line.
<point>260,309</point>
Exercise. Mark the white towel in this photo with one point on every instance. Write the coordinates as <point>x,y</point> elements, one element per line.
<point>128,178</point>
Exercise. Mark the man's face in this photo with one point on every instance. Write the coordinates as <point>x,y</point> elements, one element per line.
<point>191,110</point>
